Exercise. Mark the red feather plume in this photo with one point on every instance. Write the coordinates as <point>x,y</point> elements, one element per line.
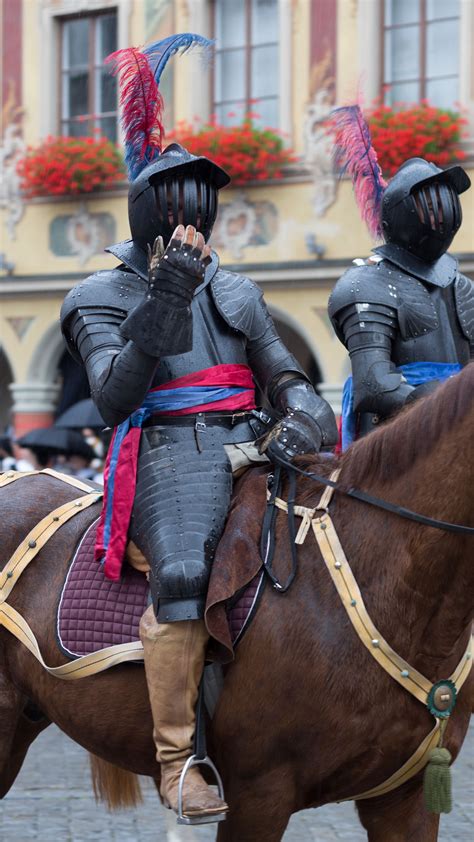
<point>142,107</point>
<point>355,155</point>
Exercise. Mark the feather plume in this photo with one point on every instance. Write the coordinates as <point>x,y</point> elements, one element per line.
<point>141,103</point>
<point>159,52</point>
<point>355,155</point>
<point>142,108</point>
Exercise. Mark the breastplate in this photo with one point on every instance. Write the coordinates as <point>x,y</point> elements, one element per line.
<point>214,343</point>
<point>446,343</point>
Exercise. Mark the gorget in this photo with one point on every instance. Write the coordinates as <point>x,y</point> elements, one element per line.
<point>441,273</point>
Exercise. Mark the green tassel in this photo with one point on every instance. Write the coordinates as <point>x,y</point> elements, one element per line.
<point>437,782</point>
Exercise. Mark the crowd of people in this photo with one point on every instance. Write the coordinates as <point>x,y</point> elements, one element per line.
<point>82,455</point>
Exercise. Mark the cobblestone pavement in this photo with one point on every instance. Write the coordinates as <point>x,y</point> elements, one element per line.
<point>52,802</point>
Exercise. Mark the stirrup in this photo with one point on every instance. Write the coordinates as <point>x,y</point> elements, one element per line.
<point>194,760</point>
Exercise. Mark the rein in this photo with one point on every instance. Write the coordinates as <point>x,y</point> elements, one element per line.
<point>364,497</point>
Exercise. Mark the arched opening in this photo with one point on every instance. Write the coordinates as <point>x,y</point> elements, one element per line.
<point>6,399</point>
<point>74,382</point>
<point>297,343</point>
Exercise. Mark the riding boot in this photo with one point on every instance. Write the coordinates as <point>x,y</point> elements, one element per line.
<point>174,662</point>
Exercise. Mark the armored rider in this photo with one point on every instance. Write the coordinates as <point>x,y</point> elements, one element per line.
<point>173,346</point>
<point>406,315</point>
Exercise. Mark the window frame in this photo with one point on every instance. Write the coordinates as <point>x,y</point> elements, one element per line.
<point>93,117</point>
<point>247,103</point>
<point>422,25</point>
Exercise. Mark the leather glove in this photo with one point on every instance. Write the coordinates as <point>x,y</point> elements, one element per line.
<point>293,435</point>
<point>161,325</point>
<point>179,269</point>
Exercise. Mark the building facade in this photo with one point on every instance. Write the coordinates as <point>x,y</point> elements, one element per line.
<point>291,61</point>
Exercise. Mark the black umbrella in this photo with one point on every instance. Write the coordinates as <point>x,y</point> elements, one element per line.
<point>80,415</point>
<point>57,440</point>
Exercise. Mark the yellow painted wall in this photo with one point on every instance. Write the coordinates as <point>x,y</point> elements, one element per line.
<point>339,231</point>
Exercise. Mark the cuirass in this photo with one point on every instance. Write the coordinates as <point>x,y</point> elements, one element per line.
<point>214,343</point>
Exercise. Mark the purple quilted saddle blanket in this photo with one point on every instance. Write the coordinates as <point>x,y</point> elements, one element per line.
<point>94,613</point>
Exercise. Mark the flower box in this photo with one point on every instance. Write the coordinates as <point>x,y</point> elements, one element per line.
<point>70,166</point>
<point>415,131</point>
<point>246,152</point>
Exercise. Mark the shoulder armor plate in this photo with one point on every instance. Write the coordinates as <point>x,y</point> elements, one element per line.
<point>114,289</point>
<point>237,298</point>
<point>464,297</point>
<point>385,284</point>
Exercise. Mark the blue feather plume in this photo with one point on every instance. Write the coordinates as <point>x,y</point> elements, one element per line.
<point>159,52</point>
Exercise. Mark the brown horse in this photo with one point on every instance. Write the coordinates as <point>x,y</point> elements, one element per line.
<point>306,716</point>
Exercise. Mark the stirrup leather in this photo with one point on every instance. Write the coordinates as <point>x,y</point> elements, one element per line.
<point>194,760</point>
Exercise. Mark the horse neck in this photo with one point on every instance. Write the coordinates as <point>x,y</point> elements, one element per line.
<point>428,577</point>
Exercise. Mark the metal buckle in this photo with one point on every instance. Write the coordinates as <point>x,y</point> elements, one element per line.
<point>199,427</point>
<point>211,818</point>
<point>262,416</point>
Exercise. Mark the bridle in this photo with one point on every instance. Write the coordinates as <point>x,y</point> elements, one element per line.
<point>267,542</point>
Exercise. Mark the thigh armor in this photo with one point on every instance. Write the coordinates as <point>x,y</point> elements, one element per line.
<point>183,494</point>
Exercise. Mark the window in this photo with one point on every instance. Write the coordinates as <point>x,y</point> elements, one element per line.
<point>421,51</point>
<point>247,62</point>
<point>88,99</point>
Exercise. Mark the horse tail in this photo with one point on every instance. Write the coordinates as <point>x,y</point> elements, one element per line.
<point>114,786</point>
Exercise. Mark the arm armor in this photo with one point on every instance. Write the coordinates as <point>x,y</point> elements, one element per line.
<point>296,395</point>
<point>119,372</point>
<point>240,303</point>
<point>279,376</point>
<point>464,295</point>
<point>368,335</point>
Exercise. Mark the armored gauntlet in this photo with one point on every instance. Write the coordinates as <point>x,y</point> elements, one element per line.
<point>307,425</point>
<point>161,325</point>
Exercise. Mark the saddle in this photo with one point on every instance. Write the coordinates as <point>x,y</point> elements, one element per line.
<point>95,613</point>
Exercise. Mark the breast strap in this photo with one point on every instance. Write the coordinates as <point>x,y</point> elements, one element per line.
<point>400,670</point>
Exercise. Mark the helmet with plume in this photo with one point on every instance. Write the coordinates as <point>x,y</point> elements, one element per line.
<point>169,186</point>
<point>419,209</point>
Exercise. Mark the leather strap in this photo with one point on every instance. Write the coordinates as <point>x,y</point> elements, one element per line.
<point>399,669</point>
<point>82,667</point>
<point>36,539</point>
<point>12,476</point>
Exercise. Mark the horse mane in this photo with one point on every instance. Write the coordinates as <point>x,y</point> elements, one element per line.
<point>413,434</point>
<point>391,450</point>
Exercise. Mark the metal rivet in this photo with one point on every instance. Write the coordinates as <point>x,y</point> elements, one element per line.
<point>32,544</point>
<point>404,673</point>
<point>9,574</point>
<point>353,602</point>
<point>56,517</point>
<point>78,503</point>
<point>375,643</point>
<point>323,526</point>
<point>338,564</point>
